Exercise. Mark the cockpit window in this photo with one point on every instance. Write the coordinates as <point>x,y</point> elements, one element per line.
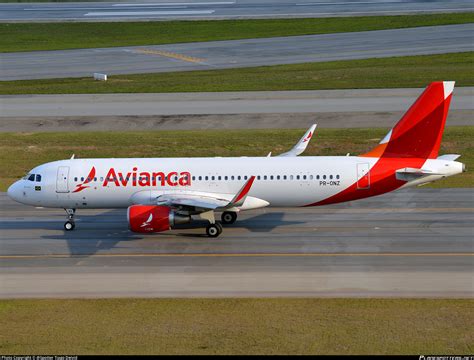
<point>38,178</point>
<point>31,177</point>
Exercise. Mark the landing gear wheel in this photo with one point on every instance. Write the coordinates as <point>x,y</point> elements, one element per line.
<point>69,225</point>
<point>219,225</point>
<point>213,230</point>
<point>228,217</point>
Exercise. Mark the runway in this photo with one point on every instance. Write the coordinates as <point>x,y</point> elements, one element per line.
<point>197,9</point>
<point>411,243</point>
<point>226,110</point>
<point>237,53</point>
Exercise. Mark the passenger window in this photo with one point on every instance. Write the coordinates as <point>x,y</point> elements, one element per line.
<point>291,177</point>
<point>238,177</point>
<point>311,177</point>
<point>324,177</point>
<point>265,177</point>
<point>207,178</point>
<point>258,177</point>
<point>245,177</point>
<point>297,177</point>
<point>330,176</point>
<point>304,177</point>
<point>82,179</point>
<point>95,179</point>
<point>278,177</point>
<point>337,176</point>
<point>317,177</point>
<point>213,177</point>
<point>271,177</point>
<point>284,177</point>
<point>226,178</point>
<point>101,178</point>
<point>232,177</point>
<point>200,178</point>
<point>75,179</point>
<point>219,178</point>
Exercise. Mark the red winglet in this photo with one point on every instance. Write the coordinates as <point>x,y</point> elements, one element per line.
<point>242,194</point>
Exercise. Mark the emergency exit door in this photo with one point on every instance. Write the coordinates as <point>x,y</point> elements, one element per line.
<point>363,176</point>
<point>62,179</point>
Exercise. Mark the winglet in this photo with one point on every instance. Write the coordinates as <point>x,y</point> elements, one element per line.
<point>240,197</point>
<point>301,145</point>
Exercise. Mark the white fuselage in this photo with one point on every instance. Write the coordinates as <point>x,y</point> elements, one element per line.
<point>280,181</point>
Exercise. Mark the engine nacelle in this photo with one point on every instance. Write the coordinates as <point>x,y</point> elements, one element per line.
<point>153,218</point>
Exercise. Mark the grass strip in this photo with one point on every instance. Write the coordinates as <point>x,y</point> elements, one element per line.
<point>237,326</point>
<point>74,35</point>
<point>20,152</point>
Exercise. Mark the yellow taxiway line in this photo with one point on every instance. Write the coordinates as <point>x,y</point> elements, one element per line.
<point>170,55</point>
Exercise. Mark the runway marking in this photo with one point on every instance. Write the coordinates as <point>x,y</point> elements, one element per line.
<point>178,3</point>
<point>146,13</point>
<point>170,54</point>
<point>45,256</point>
<point>351,3</point>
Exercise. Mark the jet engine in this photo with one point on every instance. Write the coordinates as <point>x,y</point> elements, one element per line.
<point>153,218</point>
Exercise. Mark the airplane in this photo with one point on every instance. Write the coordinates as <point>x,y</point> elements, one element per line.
<point>160,193</point>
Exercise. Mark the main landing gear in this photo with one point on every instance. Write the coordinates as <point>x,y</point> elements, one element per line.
<point>69,225</point>
<point>214,230</point>
<point>228,217</point>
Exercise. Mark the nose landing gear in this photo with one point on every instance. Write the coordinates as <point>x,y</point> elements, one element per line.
<point>69,225</point>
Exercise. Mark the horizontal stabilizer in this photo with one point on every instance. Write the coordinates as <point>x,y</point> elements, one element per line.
<point>409,174</point>
<point>448,157</point>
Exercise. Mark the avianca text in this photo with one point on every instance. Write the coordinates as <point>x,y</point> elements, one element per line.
<point>145,178</point>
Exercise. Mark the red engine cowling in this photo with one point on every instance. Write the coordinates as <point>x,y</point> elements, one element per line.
<point>153,218</point>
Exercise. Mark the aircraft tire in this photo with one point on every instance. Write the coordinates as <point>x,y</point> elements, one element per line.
<point>228,217</point>
<point>213,230</point>
<point>69,225</point>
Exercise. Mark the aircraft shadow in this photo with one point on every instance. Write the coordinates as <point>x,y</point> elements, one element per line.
<point>105,231</point>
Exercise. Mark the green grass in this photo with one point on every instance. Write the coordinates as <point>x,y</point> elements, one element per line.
<point>20,152</point>
<point>395,72</point>
<point>70,35</point>
<point>237,326</point>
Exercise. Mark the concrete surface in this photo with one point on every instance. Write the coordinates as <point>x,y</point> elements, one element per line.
<point>411,243</point>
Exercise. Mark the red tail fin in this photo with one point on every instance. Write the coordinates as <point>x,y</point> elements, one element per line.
<point>418,134</point>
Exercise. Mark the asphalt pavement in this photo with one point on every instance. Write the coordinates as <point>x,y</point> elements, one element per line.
<point>214,10</point>
<point>410,243</point>
<point>237,53</point>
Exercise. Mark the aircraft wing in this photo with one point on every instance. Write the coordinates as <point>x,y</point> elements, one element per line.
<point>302,144</point>
<point>197,203</point>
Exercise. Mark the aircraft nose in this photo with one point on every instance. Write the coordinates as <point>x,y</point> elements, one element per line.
<point>13,191</point>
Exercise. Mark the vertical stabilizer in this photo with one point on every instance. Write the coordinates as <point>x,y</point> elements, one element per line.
<point>419,132</point>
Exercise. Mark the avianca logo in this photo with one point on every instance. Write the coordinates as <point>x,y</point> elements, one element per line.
<point>89,178</point>
<point>307,138</point>
<point>146,223</point>
<point>135,178</point>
